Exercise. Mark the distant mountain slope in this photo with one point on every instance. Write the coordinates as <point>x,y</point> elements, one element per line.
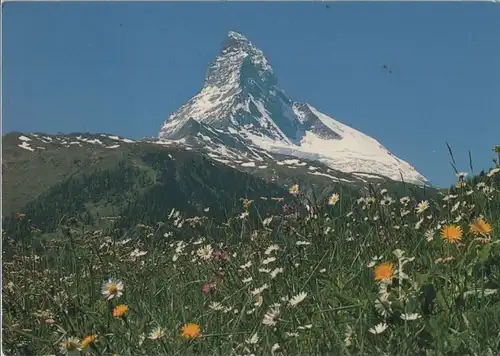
<point>94,176</point>
<point>242,111</point>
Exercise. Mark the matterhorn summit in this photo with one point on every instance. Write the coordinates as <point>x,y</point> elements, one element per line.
<point>241,110</point>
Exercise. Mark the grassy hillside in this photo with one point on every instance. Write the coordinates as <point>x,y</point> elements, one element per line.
<point>139,183</point>
<point>382,275</point>
<point>96,177</point>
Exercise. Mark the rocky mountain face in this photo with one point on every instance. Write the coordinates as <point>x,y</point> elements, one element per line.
<point>242,116</point>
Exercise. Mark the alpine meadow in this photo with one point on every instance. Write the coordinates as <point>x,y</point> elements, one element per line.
<point>250,224</point>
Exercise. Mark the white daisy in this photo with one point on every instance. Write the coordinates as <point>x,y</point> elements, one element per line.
<point>71,346</point>
<point>410,316</point>
<point>259,290</point>
<point>271,317</point>
<point>422,206</point>
<point>404,200</point>
<point>429,235</point>
<point>246,265</point>
<point>383,305</point>
<point>268,260</point>
<point>244,214</point>
<point>275,272</point>
<point>348,335</point>
<point>480,185</point>
<point>404,212</point>
<point>112,289</point>
<point>449,197</point>
<point>386,201</point>
<point>247,280</point>
<point>308,326</point>
<point>199,241</point>
<point>205,253</point>
<point>156,333</point>
<point>493,172</point>
<point>271,248</point>
<point>379,329</point>
<point>216,306</point>
<point>267,221</point>
<point>253,340</point>
<point>295,300</point>
<point>334,198</point>
<point>138,253</point>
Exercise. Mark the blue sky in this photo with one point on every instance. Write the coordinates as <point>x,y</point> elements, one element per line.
<point>123,67</point>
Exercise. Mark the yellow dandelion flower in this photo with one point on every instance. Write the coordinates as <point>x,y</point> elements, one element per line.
<point>294,189</point>
<point>480,227</point>
<point>383,271</point>
<point>88,340</point>
<point>190,331</point>
<point>120,311</point>
<point>451,233</point>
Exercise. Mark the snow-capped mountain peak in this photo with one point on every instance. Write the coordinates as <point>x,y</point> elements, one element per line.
<point>237,85</point>
<point>241,98</point>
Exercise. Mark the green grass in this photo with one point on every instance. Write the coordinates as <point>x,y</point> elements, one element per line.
<point>52,284</point>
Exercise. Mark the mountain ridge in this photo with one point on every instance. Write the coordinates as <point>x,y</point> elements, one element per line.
<point>47,178</point>
<point>37,168</point>
<point>241,97</point>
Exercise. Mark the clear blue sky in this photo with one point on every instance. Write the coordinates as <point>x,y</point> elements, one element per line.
<point>71,67</point>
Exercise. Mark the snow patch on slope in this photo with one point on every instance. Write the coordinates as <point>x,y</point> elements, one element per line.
<point>116,138</point>
<point>248,164</point>
<point>355,152</point>
<point>26,146</point>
